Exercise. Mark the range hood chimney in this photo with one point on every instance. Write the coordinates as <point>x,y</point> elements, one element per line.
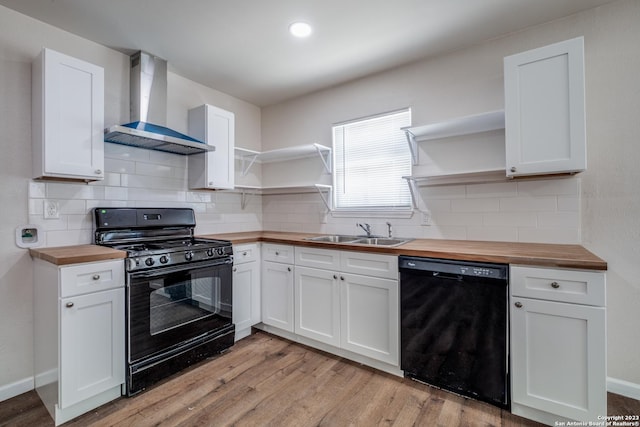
<point>148,95</point>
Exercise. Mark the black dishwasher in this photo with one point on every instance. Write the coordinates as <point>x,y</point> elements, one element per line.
<point>454,326</point>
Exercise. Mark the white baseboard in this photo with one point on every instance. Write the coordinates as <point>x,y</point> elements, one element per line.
<point>14,389</point>
<point>624,388</point>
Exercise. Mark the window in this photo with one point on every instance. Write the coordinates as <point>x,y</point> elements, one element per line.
<point>370,158</point>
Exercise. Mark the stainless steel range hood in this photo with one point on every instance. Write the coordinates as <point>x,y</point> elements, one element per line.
<point>148,91</point>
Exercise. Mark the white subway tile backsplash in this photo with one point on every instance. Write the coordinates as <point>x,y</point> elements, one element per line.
<point>475,205</point>
<point>37,190</point>
<point>74,191</point>
<point>549,187</point>
<point>509,219</point>
<point>528,204</point>
<point>444,192</point>
<point>80,222</point>
<point>125,152</point>
<point>569,203</point>
<point>494,234</point>
<point>549,235</point>
<point>494,189</point>
<point>151,182</point>
<point>168,159</point>
<point>457,218</point>
<point>69,237</point>
<point>119,166</point>
<point>116,193</point>
<point>152,169</point>
<point>559,220</point>
<point>72,206</point>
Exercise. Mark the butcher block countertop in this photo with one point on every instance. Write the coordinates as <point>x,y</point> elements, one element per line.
<point>536,254</point>
<point>65,255</point>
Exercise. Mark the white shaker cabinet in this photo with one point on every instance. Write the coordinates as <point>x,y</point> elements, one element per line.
<point>277,286</point>
<point>67,118</point>
<point>349,300</point>
<point>317,305</point>
<point>246,288</point>
<point>545,110</point>
<point>79,330</point>
<point>214,169</point>
<point>558,344</point>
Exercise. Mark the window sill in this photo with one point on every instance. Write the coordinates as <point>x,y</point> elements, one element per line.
<point>373,213</point>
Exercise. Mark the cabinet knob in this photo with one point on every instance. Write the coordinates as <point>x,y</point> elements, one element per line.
<point>69,304</point>
<point>277,253</point>
<point>341,277</point>
<point>235,269</point>
<point>518,304</point>
<point>335,277</point>
<point>288,268</point>
<point>555,285</point>
<point>98,171</point>
<point>96,277</point>
<point>513,169</point>
<point>210,183</point>
<point>244,254</point>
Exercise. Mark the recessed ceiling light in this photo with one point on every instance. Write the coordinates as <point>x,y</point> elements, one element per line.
<point>300,29</point>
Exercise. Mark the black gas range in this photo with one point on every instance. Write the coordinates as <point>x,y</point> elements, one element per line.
<point>178,290</point>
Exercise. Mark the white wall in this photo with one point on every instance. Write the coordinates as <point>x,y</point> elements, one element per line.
<point>134,177</point>
<point>600,208</point>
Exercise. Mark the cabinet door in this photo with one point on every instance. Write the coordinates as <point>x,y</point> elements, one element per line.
<point>68,120</point>
<point>91,345</point>
<point>545,110</point>
<point>558,358</point>
<point>246,295</point>
<point>369,317</point>
<point>214,169</point>
<point>277,295</point>
<point>317,305</point>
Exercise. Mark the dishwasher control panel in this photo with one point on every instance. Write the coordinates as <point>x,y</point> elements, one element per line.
<point>447,266</point>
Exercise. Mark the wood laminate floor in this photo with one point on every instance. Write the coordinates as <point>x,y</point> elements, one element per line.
<point>268,381</point>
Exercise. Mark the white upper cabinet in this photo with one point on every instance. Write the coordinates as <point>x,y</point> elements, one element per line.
<point>215,169</point>
<point>545,110</point>
<point>67,118</point>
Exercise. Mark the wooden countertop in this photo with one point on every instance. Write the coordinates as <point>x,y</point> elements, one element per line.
<point>537,254</point>
<point>65,255</point>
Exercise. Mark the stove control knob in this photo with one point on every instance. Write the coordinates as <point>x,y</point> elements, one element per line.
<point>164,259</point>
<point>149,261</point>
<point>209,252</point>
<point>220,251</point>
<point>188,256</point>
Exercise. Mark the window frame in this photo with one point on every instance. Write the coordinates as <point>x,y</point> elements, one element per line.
<point>395,211</point>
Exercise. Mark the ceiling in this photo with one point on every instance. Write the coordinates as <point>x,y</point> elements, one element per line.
<point>243,48</point>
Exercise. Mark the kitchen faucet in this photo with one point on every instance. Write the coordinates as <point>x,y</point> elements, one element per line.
<point>389,229</point>
<point>366,227</point>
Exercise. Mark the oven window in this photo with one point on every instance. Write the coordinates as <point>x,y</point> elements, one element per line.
<point>177,304</point>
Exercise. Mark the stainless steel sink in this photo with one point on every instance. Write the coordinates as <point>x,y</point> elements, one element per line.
<point>333,239</point>
<point>374,241</point>
<point>382,241</point>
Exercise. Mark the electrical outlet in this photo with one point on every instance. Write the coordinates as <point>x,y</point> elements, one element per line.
<point>51,209</point>
<point>426,218</point>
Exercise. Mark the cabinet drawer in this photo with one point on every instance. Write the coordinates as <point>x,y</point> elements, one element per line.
<point>246,253</point>
<point>384,266</point>
<point>277,253</point>
<point>327,259</point>
<point>573,286</point>
<point>91,277</point>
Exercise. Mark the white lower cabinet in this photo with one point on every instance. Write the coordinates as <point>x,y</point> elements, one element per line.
<point>246,289</point>
<point>317,305</point>
<point>79,330</point>
<point>337,305</point>
<point>370,317</point>
<point>558,344</point>
<point>277,295</point>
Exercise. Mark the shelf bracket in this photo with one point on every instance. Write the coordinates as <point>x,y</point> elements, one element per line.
<point>325,156</point>
<point>247,162</point>
<point>244,198</point>
<point>415,195</point>
<point>413,146</point>
<point>325,192</point>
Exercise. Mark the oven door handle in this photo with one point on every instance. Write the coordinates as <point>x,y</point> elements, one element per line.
<point>181,267</point>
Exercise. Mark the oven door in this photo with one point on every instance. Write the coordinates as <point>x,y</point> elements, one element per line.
<point>168,307</point>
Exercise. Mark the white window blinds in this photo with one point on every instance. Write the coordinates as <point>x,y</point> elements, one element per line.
<point>370,158</point>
